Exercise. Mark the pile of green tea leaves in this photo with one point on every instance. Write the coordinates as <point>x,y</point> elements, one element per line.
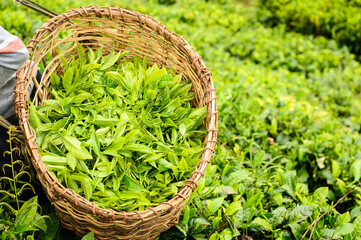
<point>119,133</point>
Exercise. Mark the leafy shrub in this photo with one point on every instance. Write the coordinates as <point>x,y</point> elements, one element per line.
<point>18,218</point>
<point>336,19</point>
<point>17,23</point>
<point>289,124</point>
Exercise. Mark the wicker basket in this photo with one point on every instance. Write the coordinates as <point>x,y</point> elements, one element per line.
<point>113,29</point>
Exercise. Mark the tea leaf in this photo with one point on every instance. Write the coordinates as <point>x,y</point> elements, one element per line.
<point>263,222</point>
<point>71,161</point>
<point>111,61</point>
<point>89,236</point>
<point>132,185</point>
<point>76,148</point>
<point>345,228</point>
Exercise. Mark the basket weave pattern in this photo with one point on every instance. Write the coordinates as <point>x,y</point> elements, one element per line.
<point>114,29</point>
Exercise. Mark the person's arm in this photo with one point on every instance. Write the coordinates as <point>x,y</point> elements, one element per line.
<point>13,54</point>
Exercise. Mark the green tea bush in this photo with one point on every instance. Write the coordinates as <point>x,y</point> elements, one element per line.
<point>291,51</point>
<point>331,72</point>
<point>17,23</point>
<point>336,19</point>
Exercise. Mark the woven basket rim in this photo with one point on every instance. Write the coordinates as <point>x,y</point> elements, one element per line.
<point>21,108</point>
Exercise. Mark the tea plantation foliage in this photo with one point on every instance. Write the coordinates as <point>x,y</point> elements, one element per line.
<point>289,113</point>
<point>337,19</point>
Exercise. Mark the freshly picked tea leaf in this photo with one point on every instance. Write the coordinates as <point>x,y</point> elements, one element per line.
<point>118,132</point>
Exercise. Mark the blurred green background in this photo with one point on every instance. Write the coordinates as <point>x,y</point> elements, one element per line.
<point>288,81</point>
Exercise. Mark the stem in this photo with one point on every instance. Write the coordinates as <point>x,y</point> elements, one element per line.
<point>12,168</point>
<point>313,225</point>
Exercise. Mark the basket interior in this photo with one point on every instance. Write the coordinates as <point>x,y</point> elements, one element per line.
<point>112,36</point>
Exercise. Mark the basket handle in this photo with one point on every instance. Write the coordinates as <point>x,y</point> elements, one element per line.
<point>36,7</point>
<point>15,130</point>
<point>5,123</point>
